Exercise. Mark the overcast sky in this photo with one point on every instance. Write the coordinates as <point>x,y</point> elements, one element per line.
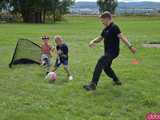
<point>124,0</point>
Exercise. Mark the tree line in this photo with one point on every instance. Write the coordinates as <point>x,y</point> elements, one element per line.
<point>35,11</point>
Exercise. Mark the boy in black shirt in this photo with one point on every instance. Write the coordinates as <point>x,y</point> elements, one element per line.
<point>62,55</point>
<point>111,36</point>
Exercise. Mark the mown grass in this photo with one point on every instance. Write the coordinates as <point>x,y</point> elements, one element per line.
<point>24,95</point>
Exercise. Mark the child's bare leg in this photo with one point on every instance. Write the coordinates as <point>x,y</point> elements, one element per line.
<point>56,65</point>
<point>48,65</point>
<point>67,71</point>
<point>54,69</point>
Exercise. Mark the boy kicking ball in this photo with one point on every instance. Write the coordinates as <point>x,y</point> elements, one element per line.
<point>62,56</point>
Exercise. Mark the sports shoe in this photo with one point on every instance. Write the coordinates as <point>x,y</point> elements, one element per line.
<point>90,87</point>
<point>117,82</point>
<point>43,63</point>
<point>47,76</point>
<point>70,78</point>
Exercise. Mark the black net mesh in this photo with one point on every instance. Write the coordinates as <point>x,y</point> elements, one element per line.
<point>26,52</point>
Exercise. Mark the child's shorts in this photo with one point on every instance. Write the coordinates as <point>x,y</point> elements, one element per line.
<point>46,59</point>
<point>59,62</point>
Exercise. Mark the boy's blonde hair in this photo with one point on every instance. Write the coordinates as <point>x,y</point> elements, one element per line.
<point>58,37</point>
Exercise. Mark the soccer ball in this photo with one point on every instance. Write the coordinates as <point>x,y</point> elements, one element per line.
<point>51,76</point>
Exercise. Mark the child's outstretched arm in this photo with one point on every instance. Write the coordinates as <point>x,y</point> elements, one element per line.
<point>53,67</point>
<point>52,50</point>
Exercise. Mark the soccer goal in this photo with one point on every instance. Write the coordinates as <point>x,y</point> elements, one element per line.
<point>26,52</point>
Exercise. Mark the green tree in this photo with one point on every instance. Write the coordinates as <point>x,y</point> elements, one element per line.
<point>4,4</point>
<point>30,10</point>
<point>107,5</point>
<point>59,8</point>
<point>34,11</point>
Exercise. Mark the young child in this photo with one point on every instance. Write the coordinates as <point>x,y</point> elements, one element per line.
<point>62,55</point>
<point>46,50</point>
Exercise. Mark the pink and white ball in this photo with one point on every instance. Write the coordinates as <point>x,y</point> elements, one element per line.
<point>51,76</point>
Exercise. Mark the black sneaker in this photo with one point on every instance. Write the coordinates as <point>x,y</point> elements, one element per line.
<point>117,82</point>
<point>90,87</point>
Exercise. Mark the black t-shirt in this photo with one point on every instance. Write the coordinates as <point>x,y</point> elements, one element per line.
<point>62,51</point>
<point>111,40</point>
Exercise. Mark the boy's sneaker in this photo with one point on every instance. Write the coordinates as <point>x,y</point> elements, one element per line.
<point>70,78</point>
<point>90,87</point>
<point>117,82</point>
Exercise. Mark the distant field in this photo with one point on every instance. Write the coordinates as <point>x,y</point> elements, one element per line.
<point>24,95</point>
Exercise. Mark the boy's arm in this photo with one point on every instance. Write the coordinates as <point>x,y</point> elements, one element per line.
<point>52,50</point>
<point>127,43</point>
<point>96,40</point>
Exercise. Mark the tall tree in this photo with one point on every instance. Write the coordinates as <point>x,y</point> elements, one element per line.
<point>35,10</point>
<point>107,5</point>
<point>29,9</point>
<point>59,8</point>
<point>4,4</point>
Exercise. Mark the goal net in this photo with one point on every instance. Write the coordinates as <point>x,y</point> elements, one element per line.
<point>26,52</point>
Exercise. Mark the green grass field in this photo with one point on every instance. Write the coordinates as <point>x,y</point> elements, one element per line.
<point>25,95</point>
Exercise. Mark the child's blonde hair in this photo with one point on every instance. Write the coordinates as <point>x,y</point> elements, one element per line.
<point>58,37</point>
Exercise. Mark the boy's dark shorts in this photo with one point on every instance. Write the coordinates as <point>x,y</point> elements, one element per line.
<point>59,62</point>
